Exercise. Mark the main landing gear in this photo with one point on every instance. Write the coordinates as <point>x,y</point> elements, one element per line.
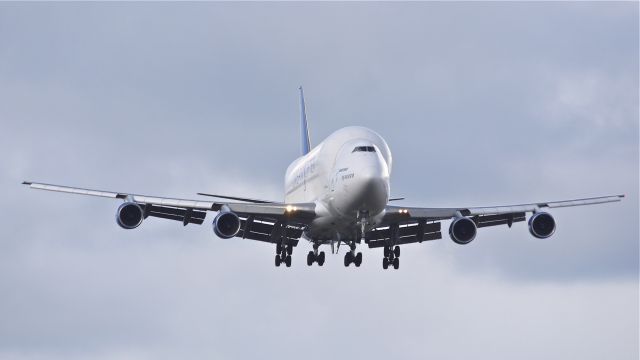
<point>352,258</point>
<point>391,257</point>
<point>315,256</point>
<point>283,254</point>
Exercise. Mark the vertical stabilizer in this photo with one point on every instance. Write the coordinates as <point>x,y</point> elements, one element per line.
<point>305,144</point>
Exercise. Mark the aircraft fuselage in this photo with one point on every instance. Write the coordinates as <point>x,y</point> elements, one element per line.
<point>347,177</point>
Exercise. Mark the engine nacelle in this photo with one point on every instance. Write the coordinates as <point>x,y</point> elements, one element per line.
<point>542,225</point>
<point>462,230</point>
<point>129,215</point>
<point>226,225</point>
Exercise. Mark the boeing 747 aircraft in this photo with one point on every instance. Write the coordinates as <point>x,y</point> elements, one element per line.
<point>335,193</point>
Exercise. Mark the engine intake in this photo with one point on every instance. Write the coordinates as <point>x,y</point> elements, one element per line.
<point>462,230</point>
<point>226,225</point>
<point>542,225</point>
<point>129,215</point>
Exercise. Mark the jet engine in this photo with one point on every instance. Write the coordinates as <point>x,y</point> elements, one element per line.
<point>462,230</point>
<point>226,225</point>
<point>129,215</point>
<point>542,225</point>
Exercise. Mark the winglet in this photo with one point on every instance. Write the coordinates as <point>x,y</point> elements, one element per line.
<point>305,144</point>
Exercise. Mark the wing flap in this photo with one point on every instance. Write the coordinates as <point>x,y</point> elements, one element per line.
<point>406,233</point>
<point>266,230</point>
<point>405,240</point>
<point>502,219</point>
<point>186,216</point>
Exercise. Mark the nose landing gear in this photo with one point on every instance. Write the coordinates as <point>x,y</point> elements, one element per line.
<point>352,258</point>
<point>315,256</point>
<point>391,257</point>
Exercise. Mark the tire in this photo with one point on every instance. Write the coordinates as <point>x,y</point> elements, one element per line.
<point>278,248</point>
<point>278,260</point>
<point>321,258</point>
<point>310,258</point>
<point>396,263</point>
<point>396,251</point>
<point>385,263</point>
<point>347,259</point>
<point>386,252</point>
<point>287,261</point>
<point>289,249</point>
<point>358,259</point>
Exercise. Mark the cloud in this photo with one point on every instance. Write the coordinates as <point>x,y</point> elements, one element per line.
<point>481,104</point>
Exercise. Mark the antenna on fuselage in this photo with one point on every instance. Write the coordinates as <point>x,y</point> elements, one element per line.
<point>305,144</point>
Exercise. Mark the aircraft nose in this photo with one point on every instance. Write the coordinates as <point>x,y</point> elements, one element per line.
<point>369,176</point>
<point>375,169</point>
<point>373,183</point>
<point>374,189</point>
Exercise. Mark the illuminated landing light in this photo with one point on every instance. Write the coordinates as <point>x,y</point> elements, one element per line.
<point>404,211</point>
<point>290,208</point>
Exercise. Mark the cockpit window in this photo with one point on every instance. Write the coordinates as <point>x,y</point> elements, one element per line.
<point>364,148</point>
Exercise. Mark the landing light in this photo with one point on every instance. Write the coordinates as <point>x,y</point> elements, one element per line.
<point>290,208</point>
<point>404,211</point>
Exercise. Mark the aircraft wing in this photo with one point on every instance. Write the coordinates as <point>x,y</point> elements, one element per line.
<point>445,213</point>
<point>415,224</point>
<point>260,221</point>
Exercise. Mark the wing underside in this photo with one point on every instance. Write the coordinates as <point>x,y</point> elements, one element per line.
<point>261,220</point>
<point>417,231</point>
<point>186,216</point>
<point>278,222</point>
<point>405,225</point>
<point>270,230</point>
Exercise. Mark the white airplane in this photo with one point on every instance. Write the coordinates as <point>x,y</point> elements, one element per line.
<point>336,193</point>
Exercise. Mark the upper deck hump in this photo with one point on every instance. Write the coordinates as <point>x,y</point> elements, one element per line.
<point>334,142</point>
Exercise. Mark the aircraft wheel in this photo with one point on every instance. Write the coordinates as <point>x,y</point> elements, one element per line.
<point>396,251</point>
<point>385,263</point>
<point>320,258</point>
<point>278,248</point>
<point>278,260</point>
<point>289,249</point>
<point>348,259</point>
<point>358,259</point>
<point>310,258</point>
<point>396,263</point>
<point>287,261</point>
<point>386,252</point>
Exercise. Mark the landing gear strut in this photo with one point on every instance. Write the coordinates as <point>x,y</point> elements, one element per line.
<point>391,257</point>
<point>283,254</point>
<point>315,256</point>
<point>351,257</point>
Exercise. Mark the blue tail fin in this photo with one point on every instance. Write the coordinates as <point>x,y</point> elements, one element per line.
<point>305,144</point>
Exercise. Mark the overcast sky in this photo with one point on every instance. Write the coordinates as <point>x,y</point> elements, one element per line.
<point>481,104</point>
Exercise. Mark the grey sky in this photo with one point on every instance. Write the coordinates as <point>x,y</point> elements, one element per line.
<point>481,104</point>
